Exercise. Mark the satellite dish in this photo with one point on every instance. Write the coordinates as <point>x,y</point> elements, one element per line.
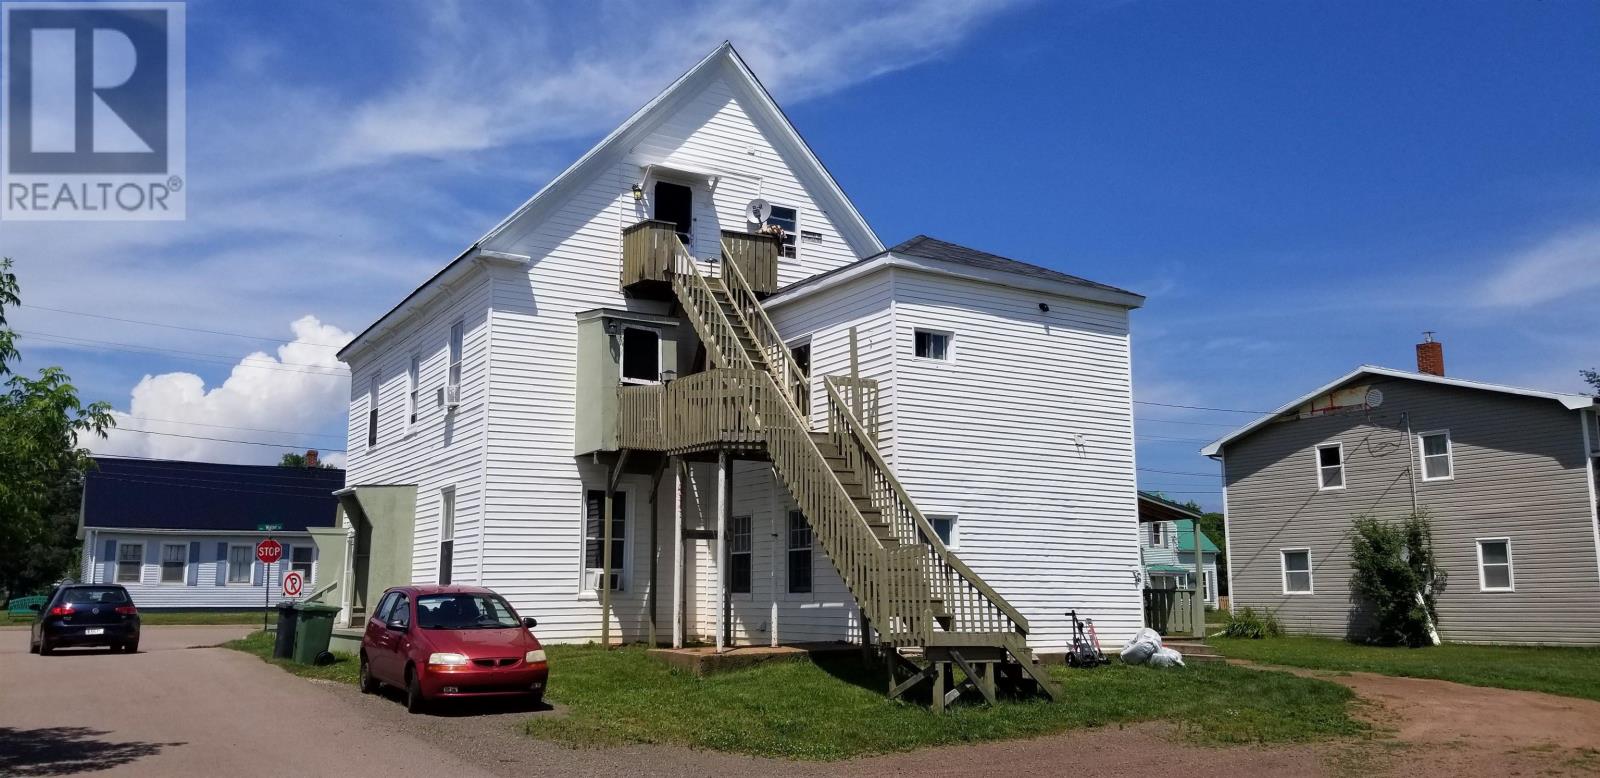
<point>757,211</point>
<point>1374,398</point>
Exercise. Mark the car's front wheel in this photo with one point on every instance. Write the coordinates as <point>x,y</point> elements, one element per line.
<point>369,685</point>
<point>415,702</point>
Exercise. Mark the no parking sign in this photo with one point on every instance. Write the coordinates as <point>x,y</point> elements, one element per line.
<point>293,583</point>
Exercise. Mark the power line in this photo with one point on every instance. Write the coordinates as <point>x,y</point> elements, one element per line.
<point>1190,423</point>
<point>1166,439</point>
<point>277,339</point>
<point>1199,408</point>
<point>244,429</point>
<point>1178,472</point>
<point>192,356</point>
<point>223,439</point>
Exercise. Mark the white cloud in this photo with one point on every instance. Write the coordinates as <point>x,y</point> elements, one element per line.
<point>1559,267</point>
<point>301,389</point>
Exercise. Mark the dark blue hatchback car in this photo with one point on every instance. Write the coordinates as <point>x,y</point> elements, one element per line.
<point>86,615</point>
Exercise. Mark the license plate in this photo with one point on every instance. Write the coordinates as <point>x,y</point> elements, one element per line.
<point>95,631</point>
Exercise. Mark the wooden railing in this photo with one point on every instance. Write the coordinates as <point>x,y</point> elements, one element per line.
<point>861,397</point>
<point>779,362</point>
<point>699,299</point>
<point>647,251</point>
<point>970,603</point>
<point>704,410</point>
<point>1169,611</point>
<point>756,256</point>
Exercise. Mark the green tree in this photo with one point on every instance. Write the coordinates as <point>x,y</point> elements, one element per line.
<point>1395,579</point>
<point>41,422</point>
<point>1593,377</point>
<point>292,459</point>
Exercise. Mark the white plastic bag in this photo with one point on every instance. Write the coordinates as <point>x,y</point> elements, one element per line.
<point>1138,650</point>
<point>1166,657</point>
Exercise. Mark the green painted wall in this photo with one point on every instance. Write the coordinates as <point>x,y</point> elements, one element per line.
<point>600,370</point>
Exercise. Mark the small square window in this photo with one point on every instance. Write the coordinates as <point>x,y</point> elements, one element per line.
<point>641,355</point>
<point>1297,571</point>
<point>1438,463</point>
<point>945,528</point>
<point>1330,466</point>
<point>933,345</point>
<point>1494,566</point>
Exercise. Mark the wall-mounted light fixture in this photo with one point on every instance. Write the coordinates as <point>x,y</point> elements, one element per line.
<point>638,193</point>
<point>613,328</point>
<point>1044,307</point>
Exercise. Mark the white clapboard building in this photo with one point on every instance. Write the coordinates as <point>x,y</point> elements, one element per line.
<point>794,429</point>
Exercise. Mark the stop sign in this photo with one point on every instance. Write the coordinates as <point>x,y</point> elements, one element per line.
<point>269,551</point>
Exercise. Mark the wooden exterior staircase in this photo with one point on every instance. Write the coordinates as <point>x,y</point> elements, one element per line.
<point>932,614</point>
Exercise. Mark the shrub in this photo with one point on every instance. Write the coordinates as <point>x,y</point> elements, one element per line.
<point>1246,623</point>
<point>1395,579</point>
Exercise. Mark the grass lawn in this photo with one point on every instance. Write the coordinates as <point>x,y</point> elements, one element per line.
<point>1572,672</point>
<point>805,710</point>
<point>172,617</point>
<point>345,668</point>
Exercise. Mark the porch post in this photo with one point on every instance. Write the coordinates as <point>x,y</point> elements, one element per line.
<point>605,565</point>
<point>772,549</point>
<point>722,546</point>
<point>347,586</point>
<point>1198,607</point>
<point>680,473</point>
<point>655,545</point>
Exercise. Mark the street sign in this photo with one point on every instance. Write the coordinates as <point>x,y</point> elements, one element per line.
<point>269,551</point>
<point>293,583</point>
<point>269,527</point>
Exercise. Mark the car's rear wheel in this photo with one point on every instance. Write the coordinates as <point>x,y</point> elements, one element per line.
<point>33,646</point>
<point>44,646</point>
<point>415,702</point>
<point>369,685</point>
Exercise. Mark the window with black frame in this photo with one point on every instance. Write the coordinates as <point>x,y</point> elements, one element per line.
<point>739,554</point>
<point>799,553</point>
<point>594,539</point>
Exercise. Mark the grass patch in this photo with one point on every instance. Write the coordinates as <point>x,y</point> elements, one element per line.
<point>149,619</point>
<point>1571,672</point>
<point>832,709</point>
<point>345,668</point>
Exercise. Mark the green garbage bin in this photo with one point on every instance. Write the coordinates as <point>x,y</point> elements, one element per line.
<point>313,630</point>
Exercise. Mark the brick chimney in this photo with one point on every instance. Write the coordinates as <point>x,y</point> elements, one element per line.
<point>1430,355</point>
<point>311,456</point>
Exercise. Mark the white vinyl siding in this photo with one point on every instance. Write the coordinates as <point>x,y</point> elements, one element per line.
<point>1437,462</point>
<point>1296,571</point>
<point>1330,466</point>
<point>1494,565</point>
<point>226,575</point>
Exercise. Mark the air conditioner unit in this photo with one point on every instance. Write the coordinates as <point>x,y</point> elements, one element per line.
<point>452,396</point>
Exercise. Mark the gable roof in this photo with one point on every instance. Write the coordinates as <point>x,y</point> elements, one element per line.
<point>952,259</point>
<point>1568,400</point>
<point>203,496</point>
<point>724,60</point>
<point>1186,540</point>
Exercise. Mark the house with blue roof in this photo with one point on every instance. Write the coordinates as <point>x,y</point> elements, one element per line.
<point>182,535</point>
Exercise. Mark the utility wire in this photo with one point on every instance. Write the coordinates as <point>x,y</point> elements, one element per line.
<point>225,440</point>
<point>1199,407</point>
<point>192,356</point>
<point>244,429</point>
<point>277,338</point>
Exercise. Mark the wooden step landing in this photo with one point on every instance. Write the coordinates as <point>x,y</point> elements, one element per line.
<point>704,660</point>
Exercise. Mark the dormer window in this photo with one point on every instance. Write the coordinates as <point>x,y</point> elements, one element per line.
<point>641,356</point>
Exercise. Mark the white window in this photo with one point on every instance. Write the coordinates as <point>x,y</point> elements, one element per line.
<point>1158,534</point>
<point>641,356</point>
<point>1296,571</point>
<point>739,555</point>
<point>799,549</point>
<point>1330,466</point>
<point>930,344</point>
<point>945,528</point>
<point>789,220</point>
<point>174,563</point>
<point>457,340</point>
<point>594,539</point>
<point>413,374</point>
<point>372,413</point>
<point>300,558</point>
<point>1494,565</point>
<point>447,532</point>
<point>130,562</point>
<point>241,564</point>
<point>1438,460</point>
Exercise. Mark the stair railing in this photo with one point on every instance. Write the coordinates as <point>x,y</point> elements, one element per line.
<point>970,602</point>
<point>785,370</point>
<point>699,299</point>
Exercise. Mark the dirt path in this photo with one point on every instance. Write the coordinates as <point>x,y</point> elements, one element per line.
<point>1452,729</point>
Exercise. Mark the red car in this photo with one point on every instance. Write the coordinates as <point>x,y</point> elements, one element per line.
<point>443,642</point>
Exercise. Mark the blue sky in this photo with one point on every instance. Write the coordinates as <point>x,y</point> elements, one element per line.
<point>1298,187</point>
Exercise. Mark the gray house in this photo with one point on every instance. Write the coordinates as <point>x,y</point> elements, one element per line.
<point>1507,476</point>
